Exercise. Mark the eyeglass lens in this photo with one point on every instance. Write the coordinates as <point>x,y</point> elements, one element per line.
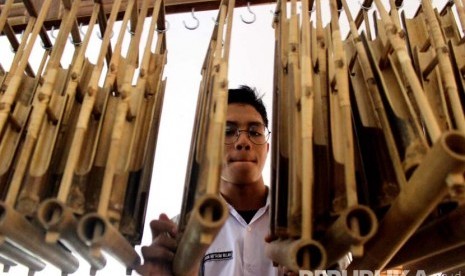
<point>257,133</point>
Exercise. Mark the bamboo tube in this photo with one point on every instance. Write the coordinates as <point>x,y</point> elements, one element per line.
<point>18,48</point>
<point>106,104</point>
<point>76,75</point>
<point>87,108</point>
<point>30,7</point>
<point>301,253</point>
<point>376,99</point>
<point>321,117</point>
<point>205,221</point>
<point>10,95</point>
<point>296,255</point>
<point>446,157</point>
<point>344,105</point>
<point>49,104</point>
<point>283,129</point>
<point>395,14</point>
<point>274,141</point>
<point>344,235</point>
<point>31,238</point>
<point>209,212</point>
<point>294,121</point>
<point>112,196</point>
<point>15,254</point>
<point>97,232</point>
<point>442,52</point>
<point>425,60</point>
<point>361,14</point>
<point>147,114</point>
<point>456,271</point>
<point>6,263</point>
<point>61,224</point>
<point>400,51</point>
<point>439,236</point>
<point>451,259</point>
<point>460,12</point>
<point>4,15</point>
<point>412,143</point>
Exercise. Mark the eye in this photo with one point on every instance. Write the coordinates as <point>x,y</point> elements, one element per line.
<point>254,133</point>
<point>256,130</point>
<point>230,131</point>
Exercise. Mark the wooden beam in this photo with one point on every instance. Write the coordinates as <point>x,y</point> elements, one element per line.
<point>18,16</point>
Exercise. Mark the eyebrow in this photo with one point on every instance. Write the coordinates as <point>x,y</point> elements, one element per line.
<point>251,123</point>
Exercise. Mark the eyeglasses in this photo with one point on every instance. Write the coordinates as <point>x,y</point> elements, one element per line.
<point>257,134</point>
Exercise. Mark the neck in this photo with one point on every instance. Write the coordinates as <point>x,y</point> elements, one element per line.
<point>245,196</point>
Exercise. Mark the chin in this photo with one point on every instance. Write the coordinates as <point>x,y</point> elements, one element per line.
<point>242,178</point>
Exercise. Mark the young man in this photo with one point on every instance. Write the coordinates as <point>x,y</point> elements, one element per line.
<point>242,239</point>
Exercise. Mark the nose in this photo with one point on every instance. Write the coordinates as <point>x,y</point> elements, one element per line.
<point>243,142</point>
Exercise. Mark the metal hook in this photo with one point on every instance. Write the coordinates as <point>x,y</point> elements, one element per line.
<point>402,5</point>
<point>214,21</point>
<point>46,48</point>
<point>363,6</point>
<point>99,35</point>
<point>197,22</point>
<point>70,38</point>
<point>80,29</point>
<point>52,32</point>
<point>129,30</point>
<point>254,17</point>
<point>167,27</point>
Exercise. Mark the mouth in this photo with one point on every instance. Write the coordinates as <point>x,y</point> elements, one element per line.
<point>242,161</point>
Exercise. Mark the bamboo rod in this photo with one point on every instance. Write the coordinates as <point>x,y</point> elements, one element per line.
<point>401,52</point>
<point>31,238</point>
<point>209,212</point>
<point>49,104</point>
<point>437,237</point>
<point>15,254</point>
<point>97,232</point>
<point>445,66</point>
<point>12,90</point>
<point>447,156</point>
<point>4,15</point>
<point>107,184</point>
<point>61,224</point>
<point>449,260</point>
<point>76,75</point>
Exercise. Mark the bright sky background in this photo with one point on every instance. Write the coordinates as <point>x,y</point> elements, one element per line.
<point>251,63</point>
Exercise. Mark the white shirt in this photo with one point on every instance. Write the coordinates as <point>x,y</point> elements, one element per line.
<point>239,248</point>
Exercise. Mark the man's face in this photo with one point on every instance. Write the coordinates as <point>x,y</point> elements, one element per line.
<point>243,160</point>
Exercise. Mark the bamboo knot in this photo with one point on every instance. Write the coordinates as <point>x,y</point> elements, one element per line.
<point>43,97</point>
<point>443,49</point>
<point>74,75</point>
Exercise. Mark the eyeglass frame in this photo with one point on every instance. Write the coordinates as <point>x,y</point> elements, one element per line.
<point>239,131</point>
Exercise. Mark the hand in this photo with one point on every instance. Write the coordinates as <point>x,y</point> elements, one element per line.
<point>158,256</point>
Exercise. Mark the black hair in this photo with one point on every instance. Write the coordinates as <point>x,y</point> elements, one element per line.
<point>247,95</point>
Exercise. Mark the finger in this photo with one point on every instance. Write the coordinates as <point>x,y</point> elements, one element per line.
<point>166,241</point>
<point>157,254</point>
<point>163,226</point>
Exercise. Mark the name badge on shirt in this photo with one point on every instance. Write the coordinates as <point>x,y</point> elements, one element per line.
<point>218,256</point>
